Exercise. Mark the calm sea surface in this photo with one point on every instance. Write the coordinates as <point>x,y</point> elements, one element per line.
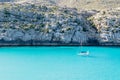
<point>59,63</point>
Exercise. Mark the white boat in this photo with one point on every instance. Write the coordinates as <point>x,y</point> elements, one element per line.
<point>84,53</point>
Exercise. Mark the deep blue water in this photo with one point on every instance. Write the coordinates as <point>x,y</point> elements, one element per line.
<point>59,63</point>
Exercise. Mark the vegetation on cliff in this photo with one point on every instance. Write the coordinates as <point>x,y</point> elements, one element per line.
<point>45,21</point>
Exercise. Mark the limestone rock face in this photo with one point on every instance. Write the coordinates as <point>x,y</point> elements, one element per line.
<point>44,23</point>
<point>53,24</point>
<point>80,37</point>
<point>107,23</point>
<point>27,37</point>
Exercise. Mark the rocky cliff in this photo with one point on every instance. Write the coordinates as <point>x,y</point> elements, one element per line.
<point>107,23</point>
<point>48,24</point>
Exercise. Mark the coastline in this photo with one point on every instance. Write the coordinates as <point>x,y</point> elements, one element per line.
<point>53,44</point>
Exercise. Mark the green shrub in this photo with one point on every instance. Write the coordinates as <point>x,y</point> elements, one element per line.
<point>69,28</point>
<point>45,30</point>
<point>42,25</point>
<point>6,12</point>
<point>84,29</point>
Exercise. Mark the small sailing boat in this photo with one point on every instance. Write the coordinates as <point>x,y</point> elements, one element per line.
<point>83,53</point>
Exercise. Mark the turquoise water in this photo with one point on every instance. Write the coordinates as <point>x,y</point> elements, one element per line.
<point>59,63</point>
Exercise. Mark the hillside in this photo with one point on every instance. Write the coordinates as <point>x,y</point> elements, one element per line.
<point>46,23</point>
<point>90,4</point>
<point>107,23</point>
<point>79,4</point>
<point>38,23</point>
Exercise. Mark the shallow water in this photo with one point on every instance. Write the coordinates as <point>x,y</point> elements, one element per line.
<point>59,63</point>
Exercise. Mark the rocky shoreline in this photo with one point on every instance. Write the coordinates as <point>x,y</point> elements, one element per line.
<point>48,43</point>
<point>33,24</point>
